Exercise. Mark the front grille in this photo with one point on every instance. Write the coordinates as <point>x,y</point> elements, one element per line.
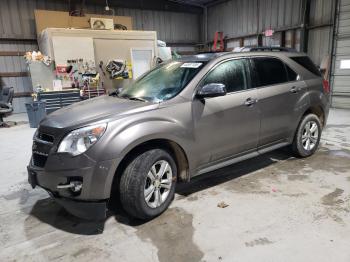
<point>46,137</point>
<point>39,160</point>
<point>42,146</point>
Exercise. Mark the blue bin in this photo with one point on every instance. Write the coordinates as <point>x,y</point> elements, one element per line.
<point>36,112</point>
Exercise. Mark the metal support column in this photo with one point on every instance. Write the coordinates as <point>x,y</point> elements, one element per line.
<point>304,35</point>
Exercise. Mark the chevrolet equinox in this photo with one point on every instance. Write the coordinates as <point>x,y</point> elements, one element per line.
<point>183,118</point>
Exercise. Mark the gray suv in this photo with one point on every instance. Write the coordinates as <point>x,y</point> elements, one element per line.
<point>184,118</point>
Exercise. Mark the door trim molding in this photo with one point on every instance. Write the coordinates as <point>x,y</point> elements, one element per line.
<point>227,163</point>
<point>241,158</point>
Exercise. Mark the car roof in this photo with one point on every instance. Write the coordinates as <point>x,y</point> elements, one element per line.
<point>209,56</point>
<point>202,57</point>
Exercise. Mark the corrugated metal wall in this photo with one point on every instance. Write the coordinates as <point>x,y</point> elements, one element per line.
<point>244,20</point>
<point>234,18</point>
<point>341,74</point>
<point>279,14</point>
<point>16,64</point>
<point>240,18</point>
<point>320,38</point>
<point>17,21</point>
<point>244,17</point>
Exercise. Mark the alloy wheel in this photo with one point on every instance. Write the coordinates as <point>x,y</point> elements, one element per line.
<point>309,136</point>
<point>158,183</point>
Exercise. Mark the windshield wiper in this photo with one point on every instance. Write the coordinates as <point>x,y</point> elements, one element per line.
<point>136,99</point>
<point>116,92</point>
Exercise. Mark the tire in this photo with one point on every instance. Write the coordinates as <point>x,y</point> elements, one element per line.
<point>137,178</point>
<point>307,136</point>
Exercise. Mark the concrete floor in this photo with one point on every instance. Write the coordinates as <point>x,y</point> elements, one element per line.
<point>279,209</point>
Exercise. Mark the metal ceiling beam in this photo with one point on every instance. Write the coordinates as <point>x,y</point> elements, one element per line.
<point>164,5</point>
<point>192,2</point>
<point>215,2</point>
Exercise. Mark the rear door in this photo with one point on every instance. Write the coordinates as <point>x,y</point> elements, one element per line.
<point>227,125</point>
<point>279,91</point>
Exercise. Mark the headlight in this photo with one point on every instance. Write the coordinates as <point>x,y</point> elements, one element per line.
<point>80,140</point>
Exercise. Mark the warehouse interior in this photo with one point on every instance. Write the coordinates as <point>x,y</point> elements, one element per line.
<point>58,56</point>
<point>188,26</point>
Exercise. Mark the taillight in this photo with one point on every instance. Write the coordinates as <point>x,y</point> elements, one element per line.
<point>326,87</point>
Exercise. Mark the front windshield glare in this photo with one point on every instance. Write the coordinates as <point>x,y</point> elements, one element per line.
<point>162,83</point>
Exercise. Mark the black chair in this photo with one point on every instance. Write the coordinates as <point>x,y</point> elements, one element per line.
<point>6,107</point>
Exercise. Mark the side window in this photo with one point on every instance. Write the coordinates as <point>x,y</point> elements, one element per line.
<point>230,73</point>
<point>270,71</point>
<point>292,76</point>
<point>306,62</point>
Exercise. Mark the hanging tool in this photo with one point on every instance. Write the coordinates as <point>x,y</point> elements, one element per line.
<point>221,46</point>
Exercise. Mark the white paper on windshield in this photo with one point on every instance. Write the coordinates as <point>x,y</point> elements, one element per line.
<point>191,65</point>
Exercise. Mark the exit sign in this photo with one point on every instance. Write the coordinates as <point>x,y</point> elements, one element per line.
<point>269,32</point>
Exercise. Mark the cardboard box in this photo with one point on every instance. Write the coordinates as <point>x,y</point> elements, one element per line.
<point>84,22</point>
<point>56,19</point>
<point>45,19</point>
<point>101,23</point>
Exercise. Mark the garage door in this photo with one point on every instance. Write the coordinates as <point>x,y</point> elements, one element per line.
<point>341,70</point>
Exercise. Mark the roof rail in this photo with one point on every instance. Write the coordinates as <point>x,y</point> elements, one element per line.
<point>264,48</point>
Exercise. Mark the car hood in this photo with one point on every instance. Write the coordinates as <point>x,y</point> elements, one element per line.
<point>93,110</point>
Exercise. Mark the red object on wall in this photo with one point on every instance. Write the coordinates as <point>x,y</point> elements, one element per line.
<point>221,47</point>
<point>61,69</point>
<point>326,86</point>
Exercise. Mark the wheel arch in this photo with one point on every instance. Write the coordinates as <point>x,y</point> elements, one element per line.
<point>172,147</point>
<point>315,109</point>
<point>318,111</point>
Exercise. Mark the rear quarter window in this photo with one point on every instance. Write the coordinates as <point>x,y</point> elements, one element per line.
<point>306,62</point>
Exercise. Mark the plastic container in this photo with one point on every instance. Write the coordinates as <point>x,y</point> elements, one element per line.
<point>36,111</point>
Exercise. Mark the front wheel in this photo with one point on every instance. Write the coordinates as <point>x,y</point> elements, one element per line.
<point>147,185</point>
<point>308,135</point>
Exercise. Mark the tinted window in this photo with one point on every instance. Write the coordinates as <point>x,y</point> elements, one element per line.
<point>292,76</point>
<point>306,62</point>
<point>270,71</point>
<point>230,73</point>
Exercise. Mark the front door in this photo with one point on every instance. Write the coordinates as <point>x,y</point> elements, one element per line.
<point>228,125</point>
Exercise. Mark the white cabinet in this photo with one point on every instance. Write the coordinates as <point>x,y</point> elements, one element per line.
<point>138,48</point>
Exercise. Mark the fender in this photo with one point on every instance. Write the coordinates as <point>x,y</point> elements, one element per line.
<point>131,137</point>
<point>127,135</point>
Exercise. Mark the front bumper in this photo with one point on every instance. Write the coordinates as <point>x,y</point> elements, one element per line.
<point>94,210</point>
<point>96,179</point>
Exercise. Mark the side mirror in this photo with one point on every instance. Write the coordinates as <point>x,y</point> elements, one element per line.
<point>211,90</point>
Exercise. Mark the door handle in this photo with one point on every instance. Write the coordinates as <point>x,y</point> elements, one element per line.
<point>295,89</point>
<point>250,101</point>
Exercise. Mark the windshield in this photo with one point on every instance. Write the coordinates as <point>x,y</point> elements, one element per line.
<point>162,83</point>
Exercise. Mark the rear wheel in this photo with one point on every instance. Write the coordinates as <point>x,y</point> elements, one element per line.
<point>147,185</point>
<point>308,135</point>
